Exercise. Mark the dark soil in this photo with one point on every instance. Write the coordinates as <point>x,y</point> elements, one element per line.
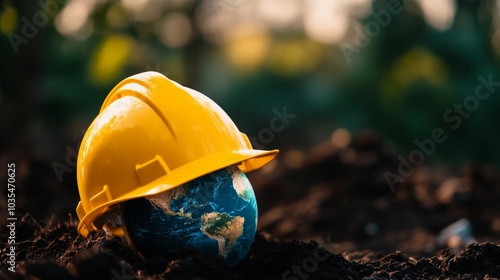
<point>330,216</point>
<point>58,252</point>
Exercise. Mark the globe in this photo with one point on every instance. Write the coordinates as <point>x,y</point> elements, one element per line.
<point>213,214</point>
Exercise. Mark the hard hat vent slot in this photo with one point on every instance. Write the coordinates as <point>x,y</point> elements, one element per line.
<point>151,170</point>
<point>101,197</point>
<point>80,211</point>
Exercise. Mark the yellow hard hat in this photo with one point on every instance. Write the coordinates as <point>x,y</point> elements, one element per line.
<point>150,136</point>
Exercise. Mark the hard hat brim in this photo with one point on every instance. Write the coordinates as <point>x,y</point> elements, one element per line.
<point>247,160</point>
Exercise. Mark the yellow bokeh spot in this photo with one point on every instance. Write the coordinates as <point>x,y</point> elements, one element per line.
<point>417,65</point>
<point>495,41</point>
<point>8,20</point>
<point>295,56</point>
<point>109,58</point>
<point>247,47</point>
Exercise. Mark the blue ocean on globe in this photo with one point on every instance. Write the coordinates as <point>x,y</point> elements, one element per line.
<point>214,214</point>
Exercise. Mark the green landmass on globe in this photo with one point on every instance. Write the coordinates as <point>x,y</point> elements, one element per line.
<point>223,228</point>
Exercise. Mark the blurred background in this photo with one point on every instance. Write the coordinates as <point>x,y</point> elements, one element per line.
<point>360,80</point>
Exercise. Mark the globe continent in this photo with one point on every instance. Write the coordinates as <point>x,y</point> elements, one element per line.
<point>214,214</point>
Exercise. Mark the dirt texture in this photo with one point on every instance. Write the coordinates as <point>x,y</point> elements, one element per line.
<point>326,213</point>
<point>58,252</point>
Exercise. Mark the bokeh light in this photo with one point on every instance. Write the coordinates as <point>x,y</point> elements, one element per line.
<point>247,45</point>
<point>74,21</point>
<point>287,17</point>
<point>341,138</point>
<point>110,57</point>
<point>326,21</point>
<point>438,14</point>
<point>8,20</point>
<point>175,30</point>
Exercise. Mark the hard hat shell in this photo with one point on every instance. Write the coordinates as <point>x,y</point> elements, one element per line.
<point>152,135</point>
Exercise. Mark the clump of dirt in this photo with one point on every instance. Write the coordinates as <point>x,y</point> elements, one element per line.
<point>54,250</point>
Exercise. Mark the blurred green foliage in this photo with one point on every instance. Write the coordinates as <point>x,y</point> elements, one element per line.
<point>54,79</point>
